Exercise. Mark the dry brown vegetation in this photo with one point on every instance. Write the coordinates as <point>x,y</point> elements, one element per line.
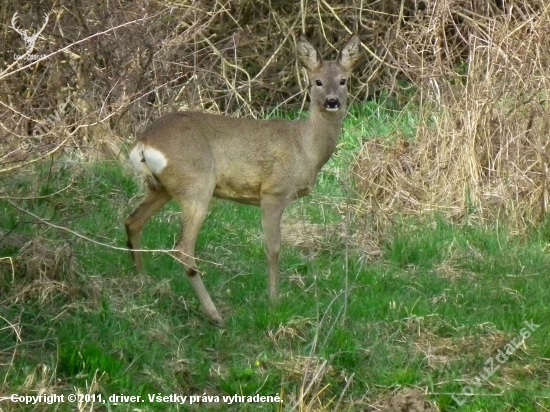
<point>480,152</point>
<point>481,147</point>
<point>477,71</point>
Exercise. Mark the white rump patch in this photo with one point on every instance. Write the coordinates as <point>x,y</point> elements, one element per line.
<point>147,160</point>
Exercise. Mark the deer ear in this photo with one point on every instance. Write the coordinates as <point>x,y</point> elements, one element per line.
<point>307,53</point>
<point>350,53</point>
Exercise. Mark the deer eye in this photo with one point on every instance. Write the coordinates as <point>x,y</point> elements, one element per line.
<point>342,82</point>
<point>318,82</point>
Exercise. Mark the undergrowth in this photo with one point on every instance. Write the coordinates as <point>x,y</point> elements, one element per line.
<point>362,318</point>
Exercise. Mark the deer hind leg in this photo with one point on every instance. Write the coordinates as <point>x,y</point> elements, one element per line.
<point>194,210</point>
<point>272,210</point>
<point>154,200</point>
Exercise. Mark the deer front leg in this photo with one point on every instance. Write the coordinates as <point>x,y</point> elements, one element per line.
<point>272,210</point>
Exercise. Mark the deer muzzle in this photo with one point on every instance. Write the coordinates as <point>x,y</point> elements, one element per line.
<point>332,104</point>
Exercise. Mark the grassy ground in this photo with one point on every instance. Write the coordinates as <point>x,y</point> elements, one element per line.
<point>417,320</point>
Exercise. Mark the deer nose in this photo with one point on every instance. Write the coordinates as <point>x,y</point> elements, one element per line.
<point>332,103</point>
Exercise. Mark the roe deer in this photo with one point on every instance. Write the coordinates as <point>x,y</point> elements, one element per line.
<point>192,156</point>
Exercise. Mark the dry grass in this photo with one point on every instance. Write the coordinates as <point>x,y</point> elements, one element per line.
<point>406,400</point>
<point>480,150</point>
<point>480,70</point>
<point>440,351</point>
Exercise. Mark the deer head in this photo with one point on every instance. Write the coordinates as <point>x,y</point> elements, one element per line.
<point>29,40</point>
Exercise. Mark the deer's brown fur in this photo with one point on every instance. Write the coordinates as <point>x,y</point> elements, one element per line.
<point>191,157</point>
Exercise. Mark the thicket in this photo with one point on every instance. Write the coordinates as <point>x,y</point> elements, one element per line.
<point>474,75</point>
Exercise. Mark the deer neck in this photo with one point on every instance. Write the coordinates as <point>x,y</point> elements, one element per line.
<point>320,133</point>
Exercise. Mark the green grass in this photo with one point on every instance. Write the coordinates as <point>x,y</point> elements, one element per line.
<point>428,314</point>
